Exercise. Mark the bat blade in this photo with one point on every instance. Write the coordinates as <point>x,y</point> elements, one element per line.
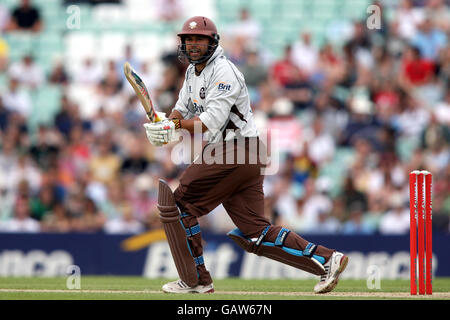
<point>141,91</point>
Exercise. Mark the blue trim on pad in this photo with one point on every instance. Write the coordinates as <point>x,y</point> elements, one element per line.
<point>295,252</point>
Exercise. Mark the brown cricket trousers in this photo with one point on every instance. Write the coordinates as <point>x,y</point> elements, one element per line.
<point>239,187</point>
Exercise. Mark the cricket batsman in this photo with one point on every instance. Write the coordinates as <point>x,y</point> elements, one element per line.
<point>214,97</point>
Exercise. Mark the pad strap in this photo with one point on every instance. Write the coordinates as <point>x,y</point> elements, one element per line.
<point>263,234</point>
<point>190,231</point>
<point>309,250</point>
<point>279,241</point>
<point>199,260</point>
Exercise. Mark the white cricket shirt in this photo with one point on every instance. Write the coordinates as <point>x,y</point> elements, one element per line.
<point>220,98</point>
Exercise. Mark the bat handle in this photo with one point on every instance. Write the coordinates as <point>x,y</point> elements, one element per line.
<point>150,115</point>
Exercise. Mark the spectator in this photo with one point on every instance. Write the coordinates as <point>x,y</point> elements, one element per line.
<point>288,127</point>
<point>354,225</point>
<point>27,72</point>
<point>8,157</point>
<point>360,44</point>
<point>128,56</point>
<point>133,114</point>
<point>396,220</point>
<point>58,74</point>
<point>110,97</point>
<point>134,162</point>
<point>442,109</point>
<point>124,224</point>
<point>169,10</point>
<point>116,200</point>
<point>25,17</point>
<point>4,18</point>
<point>89,74</point>
<point>372,218</point>
<point>353,198</point>
<point>150,77</point>
<point>89,218</point>
<point>45,150</point>
<point>17,100</point>
<point>407,19</point>
<point>4,116</point>
<point>411,119</point>
<point>436,140</point>
<point>64,120</point>
<point>329,67</point>
<point>104,165</point>
<point>254,72</point>
<point>56,220</point>
<point>24,169</point>
<point>144,197</point>
<point>300,91</point>
<point>316,203</point>
<point>305,54</point>
<point>43,204</point>
<point>4,53</point>
<point>362,123</point>
<point>284,71</point>
<point>429,40</point>
<point>326,224</point>
<point>437,11</point>
<point>79,150</point>
<point>21,222</point>
<point>415,70</point>
<point>321,145</point>
<point>246,28</point>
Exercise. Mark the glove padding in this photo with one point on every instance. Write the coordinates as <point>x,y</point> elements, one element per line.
<point>159,133</point>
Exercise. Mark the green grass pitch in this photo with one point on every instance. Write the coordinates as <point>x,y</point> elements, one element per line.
<point>138,288</point>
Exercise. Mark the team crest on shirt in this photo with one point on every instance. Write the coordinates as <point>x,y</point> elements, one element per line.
<point>202,93</point>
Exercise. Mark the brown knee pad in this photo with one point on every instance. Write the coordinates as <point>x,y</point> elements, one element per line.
<point>176,235</point>
<point>304,259</point>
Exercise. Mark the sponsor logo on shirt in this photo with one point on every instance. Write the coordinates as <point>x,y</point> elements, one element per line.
<point>195,107</point>
<point>223,86</point>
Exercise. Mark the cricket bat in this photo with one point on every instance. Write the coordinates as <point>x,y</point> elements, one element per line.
<point>141,92</point>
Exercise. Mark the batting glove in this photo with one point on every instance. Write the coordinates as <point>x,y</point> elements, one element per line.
<point>159,133</point>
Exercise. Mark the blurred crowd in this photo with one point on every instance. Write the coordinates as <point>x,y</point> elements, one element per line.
<point>354,118</point>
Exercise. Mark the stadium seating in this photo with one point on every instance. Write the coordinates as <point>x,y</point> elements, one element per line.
<point>46,100</point>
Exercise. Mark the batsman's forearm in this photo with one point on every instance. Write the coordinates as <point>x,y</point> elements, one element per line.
<point>186,124</point>
<point>175,114</point>
<point>191,124</point>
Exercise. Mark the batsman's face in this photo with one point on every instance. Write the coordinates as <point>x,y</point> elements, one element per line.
<point>196,46</point>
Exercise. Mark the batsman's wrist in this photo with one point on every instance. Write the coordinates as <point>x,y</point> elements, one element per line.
<point>177,123</point>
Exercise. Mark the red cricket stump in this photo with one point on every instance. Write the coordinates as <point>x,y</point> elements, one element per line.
<point>412,232</point>
<point>421,232</point>
<point>420,236</point>
<point>428,231</point>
